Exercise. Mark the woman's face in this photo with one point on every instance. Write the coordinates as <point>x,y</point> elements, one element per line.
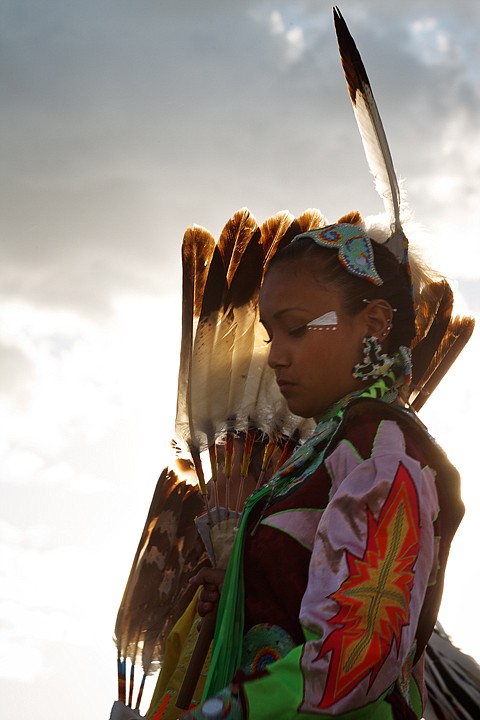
<point>313,366</point>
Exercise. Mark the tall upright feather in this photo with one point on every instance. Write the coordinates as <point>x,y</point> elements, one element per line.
<point>372,133</point>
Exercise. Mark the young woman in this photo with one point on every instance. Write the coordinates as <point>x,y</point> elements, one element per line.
<point>335,579</point>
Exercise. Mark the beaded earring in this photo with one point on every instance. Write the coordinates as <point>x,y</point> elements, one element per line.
<point>374,363</point>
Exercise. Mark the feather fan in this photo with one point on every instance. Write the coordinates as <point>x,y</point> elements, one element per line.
<point>229,382</point>
<point>157,590</point>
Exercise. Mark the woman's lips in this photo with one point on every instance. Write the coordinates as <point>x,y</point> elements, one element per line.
<point>284,385</point>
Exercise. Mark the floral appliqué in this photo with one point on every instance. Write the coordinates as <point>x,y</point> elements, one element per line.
<point>374,599</point>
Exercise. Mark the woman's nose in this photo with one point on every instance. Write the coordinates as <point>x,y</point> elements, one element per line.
<point>276,356</point>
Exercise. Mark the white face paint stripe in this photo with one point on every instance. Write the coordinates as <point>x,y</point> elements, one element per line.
<point>320,323</point>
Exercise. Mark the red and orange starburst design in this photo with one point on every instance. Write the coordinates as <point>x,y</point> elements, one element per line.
<point>374,599</point>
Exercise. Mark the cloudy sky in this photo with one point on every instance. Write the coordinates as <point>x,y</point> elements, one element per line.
<point>121,124</point>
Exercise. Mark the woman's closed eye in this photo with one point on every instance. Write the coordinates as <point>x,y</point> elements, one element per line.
<point>298,331</point>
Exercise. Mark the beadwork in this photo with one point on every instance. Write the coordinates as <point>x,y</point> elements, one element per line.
<point>375,364</point>
<point>354,248</point>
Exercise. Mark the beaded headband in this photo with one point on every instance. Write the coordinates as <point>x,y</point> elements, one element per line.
<point>354,249</point>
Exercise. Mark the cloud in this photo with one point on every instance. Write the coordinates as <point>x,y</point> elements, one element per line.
<point>16,374</point>
<point>50,595</point>
<point>86,379</point>
<point>432,44</point>
<point>293,36</point>
<point>124,124</point>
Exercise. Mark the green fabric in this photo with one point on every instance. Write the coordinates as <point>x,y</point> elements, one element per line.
<point>228,638</point>
<point>415,698</point>
<point>280,693</point>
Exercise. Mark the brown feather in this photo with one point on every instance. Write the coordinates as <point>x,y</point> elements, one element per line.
<point>351,218</point>
<point>372,133</point>
<point>455,338</point>
<point>311,219</point>
<point>222,347</point>
<point>273,232</point>
<point>190,422</point>
<point>234,239</point>
<point>432,318</point>
<point>197,251</point>
<point>157,590</point>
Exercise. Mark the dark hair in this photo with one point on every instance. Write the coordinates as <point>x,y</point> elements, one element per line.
<point>395,289</point>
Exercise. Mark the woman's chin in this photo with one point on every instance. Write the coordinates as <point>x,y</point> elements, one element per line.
<point>300,410</point>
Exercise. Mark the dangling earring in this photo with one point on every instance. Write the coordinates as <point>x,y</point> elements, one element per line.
<point>375,363</point>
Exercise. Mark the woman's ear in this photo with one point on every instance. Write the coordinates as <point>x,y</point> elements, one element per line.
<point>379,318</point>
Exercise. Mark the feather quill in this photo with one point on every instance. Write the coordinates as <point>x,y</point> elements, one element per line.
<point>372,133</point>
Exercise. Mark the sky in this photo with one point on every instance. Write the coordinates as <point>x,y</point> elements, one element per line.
<point>122,123</point>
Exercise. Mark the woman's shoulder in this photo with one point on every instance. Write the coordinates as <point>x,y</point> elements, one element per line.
<point>366,419</point>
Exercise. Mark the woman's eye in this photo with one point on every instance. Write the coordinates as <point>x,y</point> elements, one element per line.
<point>298,331</point>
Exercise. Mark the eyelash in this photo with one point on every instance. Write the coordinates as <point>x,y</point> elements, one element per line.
<point>298,331</point>
<point>294,332</point>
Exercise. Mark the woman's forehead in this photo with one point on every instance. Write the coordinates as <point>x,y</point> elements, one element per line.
<point>284,290</point>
